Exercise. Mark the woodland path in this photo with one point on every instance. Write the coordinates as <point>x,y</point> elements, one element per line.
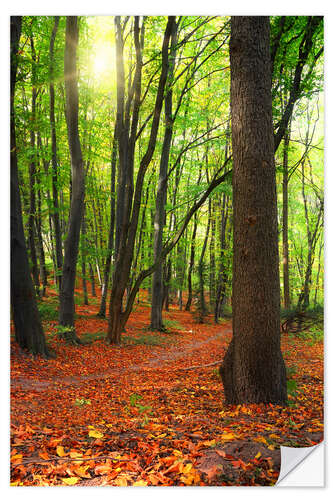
<point>164,356</point>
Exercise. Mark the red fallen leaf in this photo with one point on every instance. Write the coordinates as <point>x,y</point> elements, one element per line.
<point>168,460</point>
<point>103,469</point>
<point>213,472</point>
<point>221,453</point>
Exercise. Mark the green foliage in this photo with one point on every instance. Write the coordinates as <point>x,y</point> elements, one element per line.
<point>151,340</point>
<point>82,401</point>
<point>171,324</point>
<point>48,311</point>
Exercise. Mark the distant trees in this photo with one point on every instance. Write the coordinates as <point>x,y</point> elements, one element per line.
<point>253,369</point>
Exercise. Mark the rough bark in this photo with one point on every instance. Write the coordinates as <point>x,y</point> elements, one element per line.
<point>67,305</point>
<point>253,369</point>
<point>28,328</point>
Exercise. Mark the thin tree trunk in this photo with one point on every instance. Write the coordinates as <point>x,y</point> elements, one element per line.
<point>55,209</point>
<point>222,275</point>
<point>318,273</point>
<point>110,249</point>
<point>312,237</point>
<point>191,265</point>
<point>83,260</point>
<point>32,175</point>
<point>29,332</point>
<point>202,303</point>
<point>286,289</point>
<point>156,322</point>
<point>40,246</point>
<point>67,305</point>
<point>92,280</point>
<point>212,270</point>
<point>253,369</point>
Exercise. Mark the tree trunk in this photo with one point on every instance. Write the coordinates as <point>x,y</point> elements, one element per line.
<point>253,369</point>
<point>202,308</point>
<point>67,305</point>
<point>191,265</point>
<point>92,280</point>
<point>156,322</point>
<point>212,281</point>
<point>286,290</point>
<point>28,328</point>
<point>32,175</point>
<point>55,210</point>
<point>40,245</point>
<point>83,260</point>
<point>110,249</point>
<point>222,275</point>
<point>132,198</point>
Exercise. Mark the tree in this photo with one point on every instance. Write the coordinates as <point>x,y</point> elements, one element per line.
<point>29,332</point>
<point>161,195</point>
<point>55,212</point>
<point>253,369</point>
<point>67,305</point>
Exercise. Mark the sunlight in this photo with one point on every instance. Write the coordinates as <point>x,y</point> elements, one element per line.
<point>104,61</point>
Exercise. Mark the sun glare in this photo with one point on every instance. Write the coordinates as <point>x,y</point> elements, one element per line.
<point>103,62</point>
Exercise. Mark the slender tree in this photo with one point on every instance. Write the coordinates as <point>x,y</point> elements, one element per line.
<point>67,305</point>
<point>156,322</point>
<point>253,369</point>
<point>55,196</point>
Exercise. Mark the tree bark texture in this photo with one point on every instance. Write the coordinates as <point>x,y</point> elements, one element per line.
<point>253,369</point>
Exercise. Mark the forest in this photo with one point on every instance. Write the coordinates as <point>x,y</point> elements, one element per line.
<point>167,248</point>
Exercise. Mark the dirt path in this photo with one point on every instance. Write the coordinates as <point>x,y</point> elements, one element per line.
<point>154,362</point>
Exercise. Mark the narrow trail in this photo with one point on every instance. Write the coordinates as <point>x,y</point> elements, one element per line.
<point>155,362</point>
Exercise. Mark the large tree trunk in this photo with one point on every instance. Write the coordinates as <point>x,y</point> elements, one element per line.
<point>28,328</point>
<point>55,210</point>
<point>67,305</point>
<point>286,291</point>
<point>253,369</point>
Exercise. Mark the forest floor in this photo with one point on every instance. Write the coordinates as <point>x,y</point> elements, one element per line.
<point>151,411</point>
